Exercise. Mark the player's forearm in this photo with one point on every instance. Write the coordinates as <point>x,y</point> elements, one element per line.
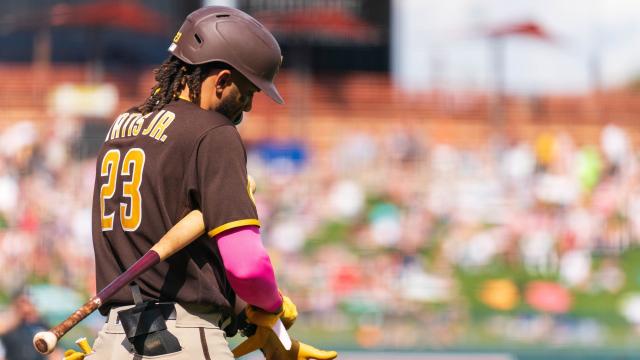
<point>249,268</point>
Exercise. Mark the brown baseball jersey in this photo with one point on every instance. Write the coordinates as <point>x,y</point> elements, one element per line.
<point>151,171</point>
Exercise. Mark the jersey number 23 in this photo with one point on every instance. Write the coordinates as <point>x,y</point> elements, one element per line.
<point>132,167</point>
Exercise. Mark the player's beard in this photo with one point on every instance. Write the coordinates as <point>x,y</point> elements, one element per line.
<point>231,107</point>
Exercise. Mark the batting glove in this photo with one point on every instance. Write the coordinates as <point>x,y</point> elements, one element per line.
<point>73,355</point>
<point>267,341</point>
<point>288,313</point>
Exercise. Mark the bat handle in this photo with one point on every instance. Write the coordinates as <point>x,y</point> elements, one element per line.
<point>45,341</point>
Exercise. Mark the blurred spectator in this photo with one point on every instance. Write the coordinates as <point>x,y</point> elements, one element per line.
<point>18,328</point>
<point>615,145</point>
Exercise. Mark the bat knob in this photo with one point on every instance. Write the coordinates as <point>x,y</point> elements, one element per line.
<point>45,342</point>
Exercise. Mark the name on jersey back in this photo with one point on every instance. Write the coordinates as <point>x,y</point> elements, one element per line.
<point>132,124</point>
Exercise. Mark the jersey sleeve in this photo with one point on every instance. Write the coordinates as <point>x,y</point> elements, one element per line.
<point>224,195</point>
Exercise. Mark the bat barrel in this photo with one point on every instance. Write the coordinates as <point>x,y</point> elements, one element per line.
<point>46,341</point>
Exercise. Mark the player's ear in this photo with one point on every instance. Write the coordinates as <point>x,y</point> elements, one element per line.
<point>224,79</point>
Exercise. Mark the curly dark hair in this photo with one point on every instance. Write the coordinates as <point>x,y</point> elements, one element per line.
<point>171,78</point>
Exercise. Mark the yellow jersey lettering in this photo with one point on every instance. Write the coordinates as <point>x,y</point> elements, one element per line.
<point>115,130</point>
<point>132,122</point>
<point>109,168</point>
<point>162,125</point>
<point>152,124</point>
<point>131,215</point>
<point>123,131</point>
<point>138,124</point>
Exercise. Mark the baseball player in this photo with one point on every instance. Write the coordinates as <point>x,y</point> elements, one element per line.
<point>176,152</point>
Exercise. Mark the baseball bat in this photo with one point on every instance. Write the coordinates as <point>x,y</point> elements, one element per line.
<point>180,235</point>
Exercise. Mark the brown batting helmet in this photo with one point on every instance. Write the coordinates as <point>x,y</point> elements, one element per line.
<point>228,35</point>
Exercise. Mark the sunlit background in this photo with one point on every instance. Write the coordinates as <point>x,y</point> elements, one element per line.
<point>451,179</point>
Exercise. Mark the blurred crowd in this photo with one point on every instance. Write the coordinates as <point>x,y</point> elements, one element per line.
<point>397,241</point>
<point>45,208</point>
<point>414,239</point>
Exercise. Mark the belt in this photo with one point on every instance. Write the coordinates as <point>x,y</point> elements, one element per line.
<point>168,311</point>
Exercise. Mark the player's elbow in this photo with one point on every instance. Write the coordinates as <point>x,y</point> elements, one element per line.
<point>252,269</point>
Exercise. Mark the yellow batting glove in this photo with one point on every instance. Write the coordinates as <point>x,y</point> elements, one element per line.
<point>289,312</point>
<point>309,352</point>
<point>267,341</point>
<point>260,317</point>
<point>77,355</point>
<point>73,355</point>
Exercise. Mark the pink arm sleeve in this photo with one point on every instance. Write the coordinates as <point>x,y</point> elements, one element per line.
<point>249,268</point>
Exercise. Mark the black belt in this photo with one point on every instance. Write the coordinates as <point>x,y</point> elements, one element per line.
<point>168,310</point>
